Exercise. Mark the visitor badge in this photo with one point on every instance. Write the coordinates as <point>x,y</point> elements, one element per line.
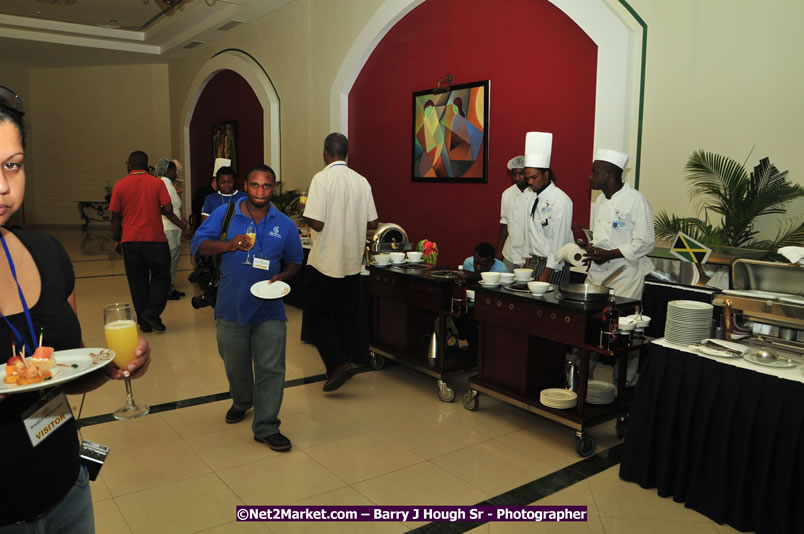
<point>260,263</point>
<point>44,417</point>
<point>618,224</point>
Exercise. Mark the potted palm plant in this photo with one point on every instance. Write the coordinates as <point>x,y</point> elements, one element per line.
<point>286,201</point>
<point>729,200</point>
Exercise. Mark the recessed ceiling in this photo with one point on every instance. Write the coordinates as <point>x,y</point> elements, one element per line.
<point>40,33</point>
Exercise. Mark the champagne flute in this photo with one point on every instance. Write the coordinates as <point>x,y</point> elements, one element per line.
<point>251,234</point>
<point>120,330</point>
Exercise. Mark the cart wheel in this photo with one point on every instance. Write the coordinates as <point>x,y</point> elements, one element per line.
<point>622,423</point>
<point>470,400</point>
<point>445,393</point>
<point>377,362</point>
<point>584,444</point>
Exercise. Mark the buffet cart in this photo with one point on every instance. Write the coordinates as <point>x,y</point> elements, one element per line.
<point>523,341</point>
<point>411,308</point>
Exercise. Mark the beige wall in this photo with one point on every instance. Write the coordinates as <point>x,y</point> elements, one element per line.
<point>724,76</point>
<point>301,47</point>
<point>84,131</point>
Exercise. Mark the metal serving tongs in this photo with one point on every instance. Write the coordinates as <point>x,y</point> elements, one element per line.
<point>718,347</point>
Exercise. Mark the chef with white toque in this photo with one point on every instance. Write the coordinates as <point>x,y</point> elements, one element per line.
<point>549,214</point>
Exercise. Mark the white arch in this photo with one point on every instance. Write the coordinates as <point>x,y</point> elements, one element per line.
<point>252,72</point>
<point>616,33</point>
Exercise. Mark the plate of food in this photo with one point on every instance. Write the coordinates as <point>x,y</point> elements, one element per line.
<point>268,290</point>
<point>47,368</point>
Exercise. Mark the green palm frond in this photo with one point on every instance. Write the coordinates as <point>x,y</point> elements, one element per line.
<point>723,188</point>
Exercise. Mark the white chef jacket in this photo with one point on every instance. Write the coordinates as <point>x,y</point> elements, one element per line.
<point>514,214</point>
<point>550,228</point>
<point>341,199</point>
<point>625,222</point>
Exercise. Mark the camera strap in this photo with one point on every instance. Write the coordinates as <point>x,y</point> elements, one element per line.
<point>227,220</point>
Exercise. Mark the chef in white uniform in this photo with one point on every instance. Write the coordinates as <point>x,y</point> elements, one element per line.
<point>622,228</point>
<point>514,216</point>
<point>549,213</point>
<point>622,236</point>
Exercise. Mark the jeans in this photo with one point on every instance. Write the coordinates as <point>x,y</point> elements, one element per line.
<point>254,358</point>
<point>148,272</point>
<point>330,310</point>
<point>71,515</point>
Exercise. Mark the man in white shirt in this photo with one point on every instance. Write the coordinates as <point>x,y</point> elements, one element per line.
<point>340,208</point>
<point>514,216</point>
<point>167,171</point>
<point>622,228</point>
<point>549,213</point>
<point>622,236</point>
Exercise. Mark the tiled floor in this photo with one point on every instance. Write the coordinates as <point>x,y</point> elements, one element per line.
<point>385,438</point>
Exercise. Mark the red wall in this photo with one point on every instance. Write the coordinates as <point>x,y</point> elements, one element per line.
<point>227,97</point>
<point>542,69</point>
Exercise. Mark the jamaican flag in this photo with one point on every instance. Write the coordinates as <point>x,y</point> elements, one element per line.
<point>687,249</point>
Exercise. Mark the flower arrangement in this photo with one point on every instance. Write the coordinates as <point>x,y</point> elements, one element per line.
<point>429,251</point>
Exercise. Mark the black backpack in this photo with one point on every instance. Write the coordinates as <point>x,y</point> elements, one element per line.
<point>208,268</point>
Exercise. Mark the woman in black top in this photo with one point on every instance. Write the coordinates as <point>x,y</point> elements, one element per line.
<point>43,485</point>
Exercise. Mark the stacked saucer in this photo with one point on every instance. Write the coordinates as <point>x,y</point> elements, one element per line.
<point>558,398</point>
<point>600,392</point>
<point>688,322</point>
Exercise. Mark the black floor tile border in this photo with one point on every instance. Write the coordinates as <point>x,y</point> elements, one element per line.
<point>534,491</point>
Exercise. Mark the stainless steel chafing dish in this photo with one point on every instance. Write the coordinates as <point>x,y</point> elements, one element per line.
<point>768,294</point>
<point>387,237</point>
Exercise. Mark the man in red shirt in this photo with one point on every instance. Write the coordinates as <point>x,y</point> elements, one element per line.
<point>138,202</point>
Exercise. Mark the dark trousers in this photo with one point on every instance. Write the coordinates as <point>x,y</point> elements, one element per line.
<point>330,313</point>
<point>148,271</point>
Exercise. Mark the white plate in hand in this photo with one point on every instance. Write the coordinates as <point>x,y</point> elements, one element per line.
<point>267,290</point>
<point>70,364</point>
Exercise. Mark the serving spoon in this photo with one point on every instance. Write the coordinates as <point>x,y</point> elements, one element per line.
<point>769,356</point>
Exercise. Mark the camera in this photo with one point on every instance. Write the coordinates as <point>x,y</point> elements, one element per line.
<point>208,281</point>
<point>93,455</point>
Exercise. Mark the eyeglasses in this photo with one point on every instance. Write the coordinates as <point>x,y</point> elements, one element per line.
<point>10,100</point>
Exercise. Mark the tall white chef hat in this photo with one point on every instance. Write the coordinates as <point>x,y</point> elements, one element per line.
<point>612,156</point>
<point>220,162</point>
<point>538,148</point>
<point>516,163</point>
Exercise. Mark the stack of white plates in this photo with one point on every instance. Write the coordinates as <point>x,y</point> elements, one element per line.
<point>688,321</point>
<point>558,398</point>
<point>599,392</point>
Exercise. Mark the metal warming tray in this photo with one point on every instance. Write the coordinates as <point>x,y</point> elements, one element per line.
<point>584,292</point>
<point>387,237</point>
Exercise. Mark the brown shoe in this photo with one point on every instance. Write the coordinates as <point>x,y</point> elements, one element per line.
<point>339,377</point>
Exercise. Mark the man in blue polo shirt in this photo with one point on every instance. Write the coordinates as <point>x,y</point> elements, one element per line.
<point>226,193</point>
<point>251,331</point>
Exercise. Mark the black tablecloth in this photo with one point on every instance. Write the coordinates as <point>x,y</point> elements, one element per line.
<point>726,441</point>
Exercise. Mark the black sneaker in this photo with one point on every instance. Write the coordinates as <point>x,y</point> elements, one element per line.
<point>145,327</point>
<point>276,442</point>
<point>234,415</point>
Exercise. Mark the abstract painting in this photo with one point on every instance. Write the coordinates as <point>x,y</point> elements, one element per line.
<point>224,142</point>
<point>450,134</point>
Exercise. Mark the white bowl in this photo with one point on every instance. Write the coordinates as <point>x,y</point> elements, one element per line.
<point>382,259</point>
<point>523,274</point>
<point>397,257</point>
<point>626,324</point>
<point>414,256</point>
<point>538,288</point>
<point>640,322</point>
<point>490,277</point>
<point>507,278</point>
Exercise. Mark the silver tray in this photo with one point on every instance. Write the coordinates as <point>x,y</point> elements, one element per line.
<point>444,274</point>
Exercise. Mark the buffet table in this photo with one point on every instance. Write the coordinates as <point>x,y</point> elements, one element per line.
<point>522,350</point>
<point>724,436</point>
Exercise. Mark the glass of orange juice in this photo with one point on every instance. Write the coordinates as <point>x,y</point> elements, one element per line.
<point>120,330</point>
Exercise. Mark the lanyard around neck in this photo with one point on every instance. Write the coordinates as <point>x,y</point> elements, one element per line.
<point>16,332</point>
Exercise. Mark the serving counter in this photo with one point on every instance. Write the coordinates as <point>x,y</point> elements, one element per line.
<point>408,307</point>
<point>523,340</point>
<point>724,438</point>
